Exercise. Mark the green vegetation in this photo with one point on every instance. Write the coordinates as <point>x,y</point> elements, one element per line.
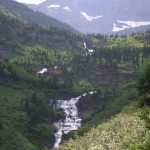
<point>101,107</point>
<point>12,120</point>
<point>127,130</point>
<point>122,132</point>
<point>22,12</point>
<point>26,121</point>
<point>144,87</point>
<point>26,115</point>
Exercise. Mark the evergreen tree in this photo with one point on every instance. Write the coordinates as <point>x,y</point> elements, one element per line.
<point>144,86</point>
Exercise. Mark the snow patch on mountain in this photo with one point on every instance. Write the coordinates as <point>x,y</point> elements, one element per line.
<point>127,24</point>
<point>36,2</point>
<point>116,28</point>
<point>89,18</point>
<point>54,6</point>
<point>67,8</point>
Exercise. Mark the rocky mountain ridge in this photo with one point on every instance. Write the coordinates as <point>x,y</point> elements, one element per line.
<point>98,16</point>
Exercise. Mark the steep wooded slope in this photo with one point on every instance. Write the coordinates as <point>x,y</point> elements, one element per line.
<point>14,34</point>
<point>25,14</point>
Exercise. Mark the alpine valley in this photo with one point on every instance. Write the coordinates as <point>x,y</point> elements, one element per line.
<point>99,16</point>
<point>61,88</point>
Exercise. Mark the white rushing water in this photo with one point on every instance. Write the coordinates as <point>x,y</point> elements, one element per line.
<point>43,70</point>
<point>72,121</point>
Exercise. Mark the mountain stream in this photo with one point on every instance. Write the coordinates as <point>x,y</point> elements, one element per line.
<point>72,120</point>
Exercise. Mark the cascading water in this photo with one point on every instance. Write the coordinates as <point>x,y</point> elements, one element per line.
<point>72,121</point>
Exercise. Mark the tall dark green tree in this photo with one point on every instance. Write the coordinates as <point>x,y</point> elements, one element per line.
<point>144,86</point>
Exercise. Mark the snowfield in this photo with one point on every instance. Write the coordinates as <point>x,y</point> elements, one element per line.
<point>89,18</point>
<point>127,24</point>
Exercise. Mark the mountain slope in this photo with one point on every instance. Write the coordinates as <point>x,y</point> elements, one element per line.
<point>98,16</point>
<point>129,130</point>
<point>122,132</point>
<point>25,14</point>
<point>14,34</point>
<point>26,118</point>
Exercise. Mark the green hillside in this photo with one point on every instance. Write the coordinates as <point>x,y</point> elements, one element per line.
<point>125,131</point>
<point>25,14</point>
<point>15,35</point>
<point>112,69</point>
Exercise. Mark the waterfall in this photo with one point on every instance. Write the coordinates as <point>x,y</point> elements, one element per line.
<point>72,121</point>
<point>85,45</point>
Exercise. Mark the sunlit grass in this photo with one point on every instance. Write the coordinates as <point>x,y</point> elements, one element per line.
<point>123,132</point>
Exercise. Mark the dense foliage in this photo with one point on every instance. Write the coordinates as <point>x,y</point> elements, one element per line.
<point>121,132</point>
<point>112,66</point>
<point>144,86</point>
<point>25,14</point>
